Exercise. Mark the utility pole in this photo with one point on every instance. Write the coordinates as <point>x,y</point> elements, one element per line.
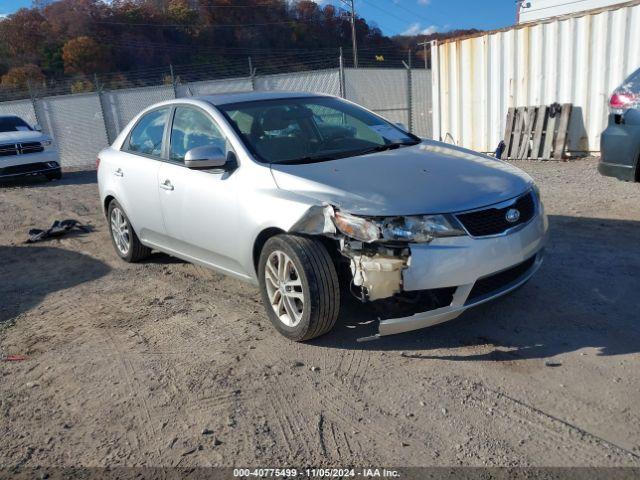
<point>424,45</point>
<point>353,31</point>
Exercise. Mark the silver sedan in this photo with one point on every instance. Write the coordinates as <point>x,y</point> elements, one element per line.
<point>312,197</point>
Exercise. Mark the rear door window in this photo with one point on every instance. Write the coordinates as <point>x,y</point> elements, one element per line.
<point>146,137</point>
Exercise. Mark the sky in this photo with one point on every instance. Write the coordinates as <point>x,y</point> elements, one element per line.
<point>406,16</point>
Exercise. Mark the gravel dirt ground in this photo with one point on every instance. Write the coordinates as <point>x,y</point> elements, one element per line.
<point>164,363</point>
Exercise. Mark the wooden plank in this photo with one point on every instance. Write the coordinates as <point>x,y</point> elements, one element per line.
<point>548,136</point>
<point>517,133</point>
<point>561,136</point>
<point>523,135</point>
<point>511,114</point>
<point>539,128</point>
<point>524,147</point>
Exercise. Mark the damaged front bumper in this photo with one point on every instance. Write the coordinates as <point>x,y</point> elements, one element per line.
<point>467,270</point>
<point>477,269</point>
<point>462,301</point>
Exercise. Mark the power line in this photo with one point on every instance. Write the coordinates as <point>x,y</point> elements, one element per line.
<point>265,5</point>
<point>180,25</point>
<point>371,4</point>
<point>234,50</point>
<point>400,5</point>
<point>404,21</point>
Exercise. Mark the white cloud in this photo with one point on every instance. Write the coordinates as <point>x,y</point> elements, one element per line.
<point>424,2</point>
<point>429,30</point>
<point>416,29</point>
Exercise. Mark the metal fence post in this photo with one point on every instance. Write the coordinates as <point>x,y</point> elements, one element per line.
<point>343,92</point>
<point>99,88</point>
<point>252,74</point>
<point>409,95</point>
<point>173,81</point>
<point>34,103</point>
<point>436,132</point>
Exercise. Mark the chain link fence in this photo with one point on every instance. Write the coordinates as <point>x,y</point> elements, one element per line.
<point>77,125</point>
<point>84,123</point>
<point>22,108</point>
<point>120,106</point>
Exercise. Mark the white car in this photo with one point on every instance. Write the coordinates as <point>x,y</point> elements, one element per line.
<point>26,151</point>
<point>310,196</point>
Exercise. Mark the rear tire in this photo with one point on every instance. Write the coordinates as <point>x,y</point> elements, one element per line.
<point>299,286</point>
<point>124,238</point>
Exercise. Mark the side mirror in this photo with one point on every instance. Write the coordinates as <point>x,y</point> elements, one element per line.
<point>205,157</point>
<point>37,128</point>
<point>402,126</point>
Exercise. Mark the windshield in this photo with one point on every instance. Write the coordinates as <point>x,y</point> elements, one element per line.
<point>304,130</point>
<point>13,124</point>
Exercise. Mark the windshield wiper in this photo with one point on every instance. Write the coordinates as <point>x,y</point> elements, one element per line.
<point>387,146</point>
<point>312,159</point>
<point>336,156</point>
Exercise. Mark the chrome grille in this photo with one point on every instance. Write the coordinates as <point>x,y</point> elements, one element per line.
<point>21,148</point>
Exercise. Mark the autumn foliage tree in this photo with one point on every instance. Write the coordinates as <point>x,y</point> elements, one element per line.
<point>23,77</point>
<point>83,55</point>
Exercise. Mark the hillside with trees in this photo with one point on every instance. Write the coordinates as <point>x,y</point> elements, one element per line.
<point>56,40</point>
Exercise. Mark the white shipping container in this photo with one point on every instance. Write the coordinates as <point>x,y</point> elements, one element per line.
<point>578,59</point>
<point>535,10</point>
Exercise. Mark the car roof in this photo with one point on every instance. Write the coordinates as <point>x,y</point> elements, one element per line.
<point>239,97</point>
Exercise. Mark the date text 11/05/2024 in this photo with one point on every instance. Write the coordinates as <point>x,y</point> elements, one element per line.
<point>315,472</point>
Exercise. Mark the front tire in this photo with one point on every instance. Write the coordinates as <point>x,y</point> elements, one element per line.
<point>124,238</point>
<point>299,286</point>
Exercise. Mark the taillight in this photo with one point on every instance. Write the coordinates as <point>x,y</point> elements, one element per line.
<point>623,100</point>
<point>97,163</point>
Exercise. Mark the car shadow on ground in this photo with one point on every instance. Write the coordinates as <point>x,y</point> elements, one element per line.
<point>30,273</point>
<point>161,258</point>
<point>76,177</point>
<point>587,294</point>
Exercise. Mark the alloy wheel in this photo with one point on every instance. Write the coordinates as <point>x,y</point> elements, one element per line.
<point>120,231</point>
<point>284,288</point>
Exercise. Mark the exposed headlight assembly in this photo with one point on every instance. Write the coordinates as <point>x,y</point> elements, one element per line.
<point>420,228</point>
<point>415,228</point>
<point>357,227</point>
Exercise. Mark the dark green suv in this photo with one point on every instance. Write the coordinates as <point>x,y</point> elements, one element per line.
<point>620,142</point>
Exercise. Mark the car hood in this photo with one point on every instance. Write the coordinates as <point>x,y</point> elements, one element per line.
<point>24,136</point>
<point>430,177</point>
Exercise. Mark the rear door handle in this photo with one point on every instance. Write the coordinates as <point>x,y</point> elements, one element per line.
<point>118,173</point>
<point>166,185</point>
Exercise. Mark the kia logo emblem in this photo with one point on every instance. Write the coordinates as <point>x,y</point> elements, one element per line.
<point>513,215</point>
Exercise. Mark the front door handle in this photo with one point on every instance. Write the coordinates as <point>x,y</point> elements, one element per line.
<point>166,185</point>
<point>118,173</point>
